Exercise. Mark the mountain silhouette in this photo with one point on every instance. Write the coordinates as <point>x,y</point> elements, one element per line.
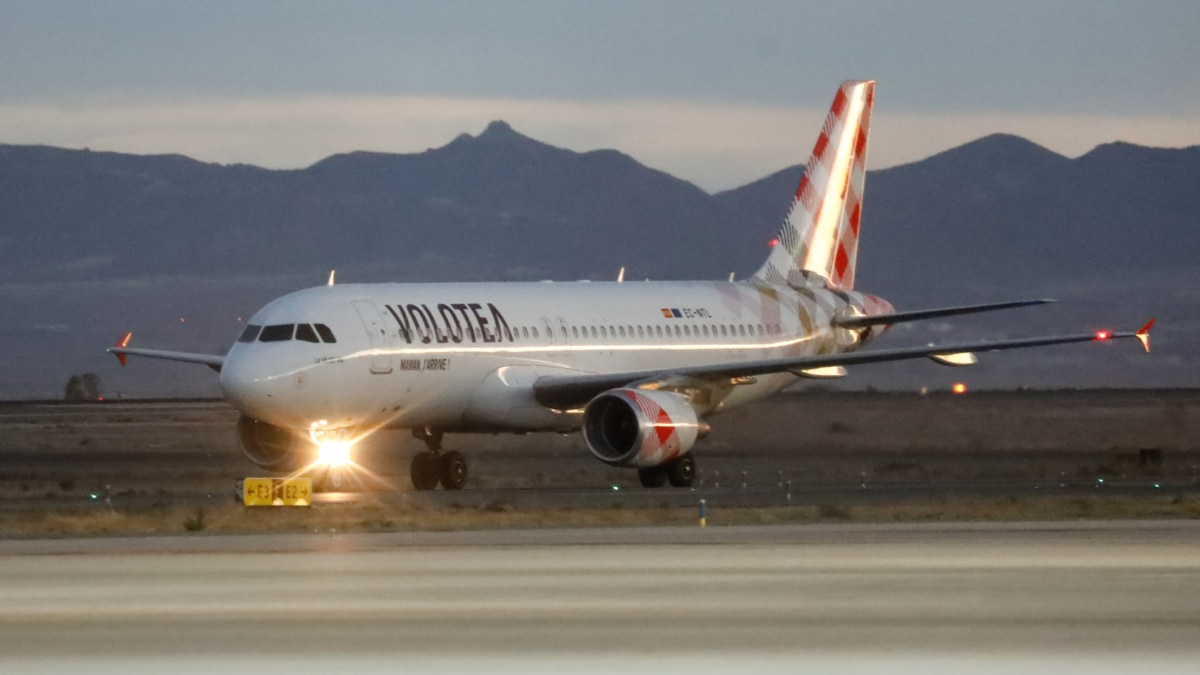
<point>92,243</point>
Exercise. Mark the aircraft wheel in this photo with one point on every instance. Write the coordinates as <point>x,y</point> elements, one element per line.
<point>652,477</point>
<point>424,470</point>
<point>454,470</point>
<point>681,471</point>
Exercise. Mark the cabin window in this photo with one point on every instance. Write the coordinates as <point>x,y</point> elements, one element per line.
<point>325,333</point>
<point>535,333</point>
<point>742,330</point>
<point>278,333</point>
<point>250,334</point>
<point>658,331</point>
<point>622,330</point>
<point>704,329</point>
<point>593,331</point>
<point>574,331</point>
<point>641,332</point>
<point>306,333</point>
<point>724,333</point>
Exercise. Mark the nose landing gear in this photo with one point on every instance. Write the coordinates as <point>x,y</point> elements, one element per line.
<point>433,466</point>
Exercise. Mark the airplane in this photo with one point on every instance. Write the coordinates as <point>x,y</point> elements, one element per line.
<point>638,367</point>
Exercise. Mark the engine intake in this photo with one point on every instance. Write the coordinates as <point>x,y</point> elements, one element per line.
<point>273,448</point>
<point>633,427</point>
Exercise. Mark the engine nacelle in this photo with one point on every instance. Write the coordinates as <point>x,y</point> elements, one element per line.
<point>640,428</point>
<point>272,447</point>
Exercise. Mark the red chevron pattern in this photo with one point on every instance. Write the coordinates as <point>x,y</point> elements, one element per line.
<point>820,235</point>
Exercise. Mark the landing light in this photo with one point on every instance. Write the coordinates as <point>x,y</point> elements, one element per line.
<point>333,445</point>
<point>334,453</point>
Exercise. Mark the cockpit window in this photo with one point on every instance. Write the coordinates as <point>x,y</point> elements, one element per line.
<point>325,333</point>
<point>305,332</point>
<point>277,333</point>
<point>250,334</point>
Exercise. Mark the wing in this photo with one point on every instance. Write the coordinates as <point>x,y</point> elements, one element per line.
<point>571,391</point>
<point>122,349</point>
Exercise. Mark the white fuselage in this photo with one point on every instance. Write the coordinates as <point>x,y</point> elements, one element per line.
<point>464,356</point>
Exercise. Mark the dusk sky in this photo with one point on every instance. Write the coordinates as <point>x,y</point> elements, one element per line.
<point>719,93</point>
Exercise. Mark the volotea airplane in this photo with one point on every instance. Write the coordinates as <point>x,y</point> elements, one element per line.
<point>638,367</point>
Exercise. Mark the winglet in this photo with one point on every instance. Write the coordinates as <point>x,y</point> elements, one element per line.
<point>1143,335</point>
<point>122,343</point>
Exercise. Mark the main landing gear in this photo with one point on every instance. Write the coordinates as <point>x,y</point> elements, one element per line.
<point>681,472</point>
<point>433,466</point>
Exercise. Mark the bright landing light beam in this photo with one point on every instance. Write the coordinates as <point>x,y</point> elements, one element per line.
<point>334,454</point>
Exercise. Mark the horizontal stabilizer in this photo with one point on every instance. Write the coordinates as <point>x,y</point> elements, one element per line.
<point>922,314</point>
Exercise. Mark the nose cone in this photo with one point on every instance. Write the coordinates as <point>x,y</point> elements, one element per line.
<point>246,385</point>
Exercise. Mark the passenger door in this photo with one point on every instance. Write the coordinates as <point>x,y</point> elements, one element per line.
<point>381,358</point>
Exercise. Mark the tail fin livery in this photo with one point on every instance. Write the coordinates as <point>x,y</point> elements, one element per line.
<point>818,242</point>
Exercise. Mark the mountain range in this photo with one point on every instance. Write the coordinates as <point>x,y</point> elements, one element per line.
<point>95,243</point>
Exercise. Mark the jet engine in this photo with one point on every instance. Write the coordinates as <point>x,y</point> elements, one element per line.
<point>640,428</point>
<point>273,448</point>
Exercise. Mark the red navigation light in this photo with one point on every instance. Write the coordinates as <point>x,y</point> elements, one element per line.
<point>1103,334</point>
<point>960,388</point>
<point>774,242</point>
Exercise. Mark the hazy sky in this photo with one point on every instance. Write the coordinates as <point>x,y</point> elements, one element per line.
<point>719,93</point>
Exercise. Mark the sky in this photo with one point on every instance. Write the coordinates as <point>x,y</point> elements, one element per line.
<point>719,93</point>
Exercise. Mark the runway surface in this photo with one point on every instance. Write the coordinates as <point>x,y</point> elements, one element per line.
<point>984,598</point>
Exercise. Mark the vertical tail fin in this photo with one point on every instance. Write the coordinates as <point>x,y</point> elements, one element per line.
<point>820,235</point>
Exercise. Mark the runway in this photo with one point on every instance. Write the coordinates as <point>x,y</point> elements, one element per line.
<point>1001,597</point>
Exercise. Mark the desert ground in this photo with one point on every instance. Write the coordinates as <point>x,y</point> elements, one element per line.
<point>142,466</point>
